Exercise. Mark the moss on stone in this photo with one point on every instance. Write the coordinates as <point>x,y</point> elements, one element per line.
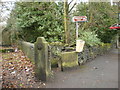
<point>28,49</point>
<point>69,64</point>
<point>69,59</point>
<point>54,62</point>
<point>42,63</point>
<point>56,43</point>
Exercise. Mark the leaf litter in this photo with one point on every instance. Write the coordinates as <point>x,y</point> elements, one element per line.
<point>18,71</point>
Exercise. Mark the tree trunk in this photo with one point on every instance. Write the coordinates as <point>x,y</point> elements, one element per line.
<point>66,36</point>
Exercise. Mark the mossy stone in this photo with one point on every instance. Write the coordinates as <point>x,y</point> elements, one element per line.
<point>69,59</point>
<point>42,63</point>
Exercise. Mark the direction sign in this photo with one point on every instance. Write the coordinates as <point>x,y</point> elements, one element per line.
<point>79,19</point>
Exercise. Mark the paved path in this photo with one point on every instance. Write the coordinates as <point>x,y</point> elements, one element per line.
<point>99,73</point>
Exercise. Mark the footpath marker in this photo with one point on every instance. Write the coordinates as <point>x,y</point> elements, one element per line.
<point>79,43</point>
<point>77,19</point>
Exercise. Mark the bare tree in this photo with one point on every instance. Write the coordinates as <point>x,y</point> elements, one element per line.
<point>67,10</point>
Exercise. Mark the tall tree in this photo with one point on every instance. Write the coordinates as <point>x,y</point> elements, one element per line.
<point>101,15</point>
<point>67,10</point>
<point>34,19</point>
<point>66,21</point>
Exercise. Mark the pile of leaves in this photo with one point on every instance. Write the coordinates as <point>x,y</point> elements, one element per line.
<point>18,71</point>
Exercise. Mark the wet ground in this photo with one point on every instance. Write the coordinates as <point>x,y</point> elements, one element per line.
<point>99,73</point>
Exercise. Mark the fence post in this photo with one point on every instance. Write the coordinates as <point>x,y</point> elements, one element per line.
<point>42,63</point>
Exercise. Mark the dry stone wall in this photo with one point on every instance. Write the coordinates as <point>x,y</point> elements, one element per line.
<point>46,55</point>
<point>28,49</point>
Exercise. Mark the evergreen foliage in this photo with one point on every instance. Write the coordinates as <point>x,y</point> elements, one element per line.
<point>30,20</point>
<point>34,19</point>
<point>100,17</point>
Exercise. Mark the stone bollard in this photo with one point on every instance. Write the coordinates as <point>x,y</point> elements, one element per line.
<point>42,63</point>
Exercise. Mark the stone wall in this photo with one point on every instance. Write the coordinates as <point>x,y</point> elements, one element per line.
<point>63,57</point>
<point>58,52</point>
<point>90,53</point>
<point>46,55</point>
<point>69,60</point>
<point>38,53</point>
<point>5,37</point>
<point>55,49</point>
<point>28,49</point>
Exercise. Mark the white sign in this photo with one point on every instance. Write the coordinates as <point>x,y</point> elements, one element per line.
<point>79,45</point>
<point>79,19</point>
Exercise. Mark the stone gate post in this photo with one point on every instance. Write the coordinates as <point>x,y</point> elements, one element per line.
<point>42,63</point>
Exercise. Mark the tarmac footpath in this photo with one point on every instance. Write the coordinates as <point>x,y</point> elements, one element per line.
<point>102,72</point>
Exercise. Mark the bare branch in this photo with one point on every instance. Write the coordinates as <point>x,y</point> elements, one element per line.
<point>70,2</point>
<point>72,7</point>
